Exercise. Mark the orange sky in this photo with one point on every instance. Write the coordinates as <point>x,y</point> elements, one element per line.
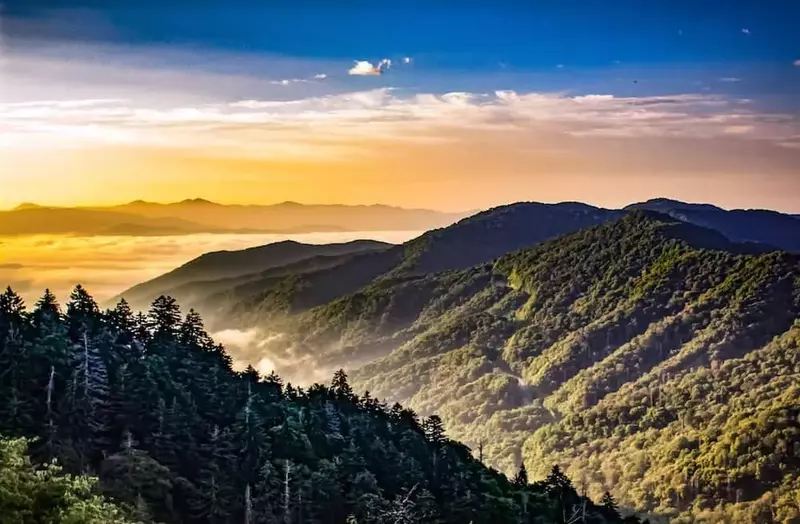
<point>91,132</point>
<point>466,175</point>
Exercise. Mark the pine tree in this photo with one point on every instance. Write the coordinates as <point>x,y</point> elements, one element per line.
<point>609,505</point>
<point>521,478</point>
<point>434,430</point>
<point>164,320</point>
<point>14,413</point>
<point>340,386</point>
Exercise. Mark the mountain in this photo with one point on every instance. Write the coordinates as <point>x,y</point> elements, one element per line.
<point>30,219</point>
<point>292,216</point>
<point>222,269</point>
<point>203,216</point>
<point>740,225</point>
<point>477,239</point>
<point>152,406</point>
<point>654,358</point>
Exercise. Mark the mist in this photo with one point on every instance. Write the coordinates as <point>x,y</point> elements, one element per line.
<point>107,266</point>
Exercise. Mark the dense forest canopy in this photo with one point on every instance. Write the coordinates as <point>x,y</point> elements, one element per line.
<point>151,405</point>
<point>655,359</point>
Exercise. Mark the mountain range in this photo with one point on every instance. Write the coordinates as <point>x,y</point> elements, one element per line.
<point>202,216</point>
<point>654,351</point>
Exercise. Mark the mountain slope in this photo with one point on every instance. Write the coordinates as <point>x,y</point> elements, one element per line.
<point>471,241</point>
<point>617,348</point>
<point>740,225</point>
<point>177,436</point>
<point>197,277</point>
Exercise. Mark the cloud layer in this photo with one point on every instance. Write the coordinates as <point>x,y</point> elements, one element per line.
<point>108,265</point>
<point>330,126</point>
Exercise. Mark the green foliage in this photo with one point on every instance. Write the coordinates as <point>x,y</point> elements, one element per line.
<point>153,407</point>
<point>653,359</point>
<point>32,494</point>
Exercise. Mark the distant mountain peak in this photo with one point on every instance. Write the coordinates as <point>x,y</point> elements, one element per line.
<point>197,202</point>
<point>662,203</point>
<point>27,205</point>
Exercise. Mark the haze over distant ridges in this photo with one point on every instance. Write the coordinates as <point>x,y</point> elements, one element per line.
<point>203,216</point>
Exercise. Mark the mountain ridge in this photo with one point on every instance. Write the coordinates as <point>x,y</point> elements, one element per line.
<point>516,354</point>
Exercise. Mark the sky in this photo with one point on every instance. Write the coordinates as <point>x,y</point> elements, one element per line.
<point>441,105</point>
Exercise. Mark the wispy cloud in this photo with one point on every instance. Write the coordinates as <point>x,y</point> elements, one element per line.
<point>365,68</point>
<point>330,125</point>
<point>746,31</point>
<point>797,63</point>
<point>730,79</point>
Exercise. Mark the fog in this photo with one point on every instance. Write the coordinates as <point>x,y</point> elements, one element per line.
<point>108,265</point>
<point>272,351</point>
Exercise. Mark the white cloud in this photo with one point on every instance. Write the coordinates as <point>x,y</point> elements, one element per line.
<point>334,125</point>
<point>797,63</point>
<point>77,104</point>
<point>746,31</point>
<point>730,79</point>
<point>407,60</point>
<point>365,68</point>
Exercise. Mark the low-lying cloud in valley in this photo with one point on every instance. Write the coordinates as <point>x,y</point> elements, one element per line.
<point>108,265</point>
<point>273,351</point>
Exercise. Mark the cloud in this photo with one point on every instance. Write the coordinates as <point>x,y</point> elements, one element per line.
<point>108,265</point>
<point>730,79</point>
<point>365,68</point>
<point>797,63</point>
<point>341,124</point>
<point>320,76</point>
<point>746,31</point>
<point>407,60</point>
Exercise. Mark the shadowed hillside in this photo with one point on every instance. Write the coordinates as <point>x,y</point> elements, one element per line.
<point>628,350</point>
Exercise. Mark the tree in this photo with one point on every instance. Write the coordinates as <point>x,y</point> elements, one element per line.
<point>609,505</point>
<point>434,430</point>
<point>521,478</point>
<point>164,319</point>
<point>341,388</point>
<point>45,494</point>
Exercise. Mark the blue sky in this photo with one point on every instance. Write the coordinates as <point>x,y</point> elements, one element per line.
<point>481,38</point>
<point>675,96</point>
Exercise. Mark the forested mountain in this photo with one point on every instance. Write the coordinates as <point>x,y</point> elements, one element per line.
<point>654,358</point>
<point>740,225</point>
<point>221,270</point>
<point>474,240</point>
<point>151,405</point>
<point>201,216</point>
<point>471,241</point>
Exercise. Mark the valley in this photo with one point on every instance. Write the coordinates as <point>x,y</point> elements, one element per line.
<point>635,347</point>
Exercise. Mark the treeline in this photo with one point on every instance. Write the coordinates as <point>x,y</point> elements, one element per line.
<point>152,406</point>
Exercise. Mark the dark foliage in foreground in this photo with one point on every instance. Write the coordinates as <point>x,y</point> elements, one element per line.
<point>151,405</point>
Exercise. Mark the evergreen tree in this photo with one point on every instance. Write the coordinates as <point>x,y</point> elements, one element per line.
<point>521,478</point>
<point>179,437</point>
<point>609,505</point>
<point>434,430</point>
<point>341,388</point>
